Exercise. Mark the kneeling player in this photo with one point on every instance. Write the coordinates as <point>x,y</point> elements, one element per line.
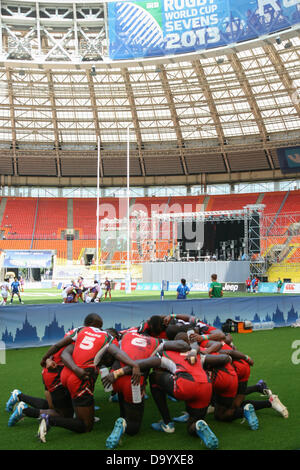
<point>93,293</point>
<point>58,401</point>
<point>70,295</point>
<point>80,374</point>
<point>189,384</point>
<point>139,348</point>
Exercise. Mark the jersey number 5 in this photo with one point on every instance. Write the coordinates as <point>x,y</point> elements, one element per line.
<point>87,343</point>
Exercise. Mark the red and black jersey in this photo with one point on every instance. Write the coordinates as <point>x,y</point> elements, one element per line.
<point>204,328</point>
<point>241,367</point>
<point>226,346</point>
<point>57,356</point>
<point>227,368</point>
<point>144,329</point>
<point>195,371</point>
<point>88,342</point>
<point>138,346</point>
<point>133,329</point>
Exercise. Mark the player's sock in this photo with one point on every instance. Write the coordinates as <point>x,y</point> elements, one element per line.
<point>72,424</point>
<point>238,413</point>
<point>31,412</point>
<point>258,405</point>
<point>39,403</point>
<point>252,389</point>
<point>160,399</point>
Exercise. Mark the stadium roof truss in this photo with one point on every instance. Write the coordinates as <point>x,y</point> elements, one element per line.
<point>215,116</point>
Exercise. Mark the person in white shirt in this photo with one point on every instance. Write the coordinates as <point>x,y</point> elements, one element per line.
<point>5,290</point>
<point>93,293</point>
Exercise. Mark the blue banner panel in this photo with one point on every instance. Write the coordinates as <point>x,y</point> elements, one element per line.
<point>268,287</point>
<point>289,159</point>
<point>27,259</point>
<point>41,325</point>
<point>140,29</point>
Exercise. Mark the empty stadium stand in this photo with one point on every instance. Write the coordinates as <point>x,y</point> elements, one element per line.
<point>51,218</point>
<point>231,202</point>
<point>41,223</point>
<point>18,218</point>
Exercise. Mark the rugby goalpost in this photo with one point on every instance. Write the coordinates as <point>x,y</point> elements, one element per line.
<point>128,264</point>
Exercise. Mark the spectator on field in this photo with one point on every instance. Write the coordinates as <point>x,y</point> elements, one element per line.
<point>182,290</point>
<point>215,289</point>
<point>279,285</point>
<point>248,284</point>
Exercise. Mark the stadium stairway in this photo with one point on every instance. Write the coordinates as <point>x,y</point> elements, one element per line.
<point>2,208</point>
<point>260,198</point>
<point>34,224</point>
<point>205,202</point>
<point>70,222</point>
<point>278,212</point>
<point>70,225</point>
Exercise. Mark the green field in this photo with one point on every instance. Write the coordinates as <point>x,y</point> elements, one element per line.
<point>272,352</point>
<point>41,296</point>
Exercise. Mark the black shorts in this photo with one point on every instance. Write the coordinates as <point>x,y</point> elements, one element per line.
<point>195,414</point>
<point>226,402</point>
<point>165,381</point>
<point>61,399</point>
<point>242,387</point>
<point>81,391</point>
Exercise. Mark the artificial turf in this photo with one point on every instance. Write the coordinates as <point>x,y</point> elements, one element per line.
<point>272,352</point>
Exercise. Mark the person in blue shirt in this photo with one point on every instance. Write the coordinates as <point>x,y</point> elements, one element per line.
<point>15,289</point>
<point>182,290</point>
<point>254,285</point>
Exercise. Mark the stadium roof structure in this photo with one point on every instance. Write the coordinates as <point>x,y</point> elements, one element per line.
<point>214,116</point>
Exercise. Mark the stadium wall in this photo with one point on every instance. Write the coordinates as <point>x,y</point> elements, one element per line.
<point>227,271</point>
<point>41,325</point>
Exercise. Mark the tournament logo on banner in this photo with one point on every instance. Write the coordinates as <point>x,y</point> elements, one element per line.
<point>140,29</point>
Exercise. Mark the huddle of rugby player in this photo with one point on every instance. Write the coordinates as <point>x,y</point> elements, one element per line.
<point>74,291</point>
<point>181,357</point>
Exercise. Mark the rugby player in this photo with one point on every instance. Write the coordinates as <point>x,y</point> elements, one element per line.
<point>138,347</point>
<point>107,285</point>
<point>15,290</point>
<point>5,290</point>
<point>93,293</point>
<point>70,294</point>
<point>190,384</point>
<point>229,399</point>
<point>58,400</point>
<point>88,347</point>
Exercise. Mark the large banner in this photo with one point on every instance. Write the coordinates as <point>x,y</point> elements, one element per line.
<point>289,158</point>
<point>41,325</point>
<point>156,28</point>
<point>27,259</point>
<point>270,287</point>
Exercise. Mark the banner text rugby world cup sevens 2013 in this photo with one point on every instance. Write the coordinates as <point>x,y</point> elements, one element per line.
<point>140,29</point>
